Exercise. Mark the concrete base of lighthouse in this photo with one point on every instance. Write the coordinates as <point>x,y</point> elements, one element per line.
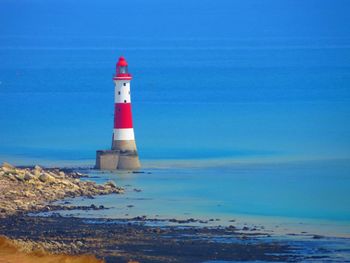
<point>124,145</point>
<point>117,160</point>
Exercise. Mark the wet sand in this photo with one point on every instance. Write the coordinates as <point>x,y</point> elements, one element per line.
<point>123,240</point>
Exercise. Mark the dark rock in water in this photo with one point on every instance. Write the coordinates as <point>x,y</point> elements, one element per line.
<point>317,237</point>
<point>183,221</point>
<point>245,228</point>
<point>130,206</point>
<point>56,215</point>
<point>139,218</point>
<point>137,190</point>
<point>94,207</point>
<point>138,172</point>
<point>157,230</point>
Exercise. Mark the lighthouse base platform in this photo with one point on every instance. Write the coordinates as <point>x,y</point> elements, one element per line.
<point>117,160</point>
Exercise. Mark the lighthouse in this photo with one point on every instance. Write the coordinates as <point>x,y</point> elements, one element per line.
<point>123,153</point>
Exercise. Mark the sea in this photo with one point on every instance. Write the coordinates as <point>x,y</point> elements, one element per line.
<point>229,125</point>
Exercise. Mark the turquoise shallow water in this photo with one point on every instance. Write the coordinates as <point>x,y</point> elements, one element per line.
<point>285,197</point>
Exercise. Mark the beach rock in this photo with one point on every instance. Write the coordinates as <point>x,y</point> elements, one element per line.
<point>37,173</point>
<point>10,176</point>
<point>19,177</point>
<point>7,165</point>
<point>79,243</point>
<point>19,171</point>
<point>38,168</point>
<point>29,176</point>
<point>29,189</point>
<point>28,194</point>
<point>111,184</point>
<point>44,177</point>
<point>53,174</point>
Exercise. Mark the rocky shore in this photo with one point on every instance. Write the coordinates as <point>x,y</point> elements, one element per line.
<point>125,241</point>
<point>138,239</point>
<point>21,251</point>
<point>33,189</point>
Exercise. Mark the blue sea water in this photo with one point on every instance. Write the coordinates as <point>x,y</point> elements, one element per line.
<point>191,99</point>
<point>293,196</point>
<point>215,85</point>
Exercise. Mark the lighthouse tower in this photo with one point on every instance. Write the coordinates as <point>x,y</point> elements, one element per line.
<point>123,132</point>
<point>123,154</point>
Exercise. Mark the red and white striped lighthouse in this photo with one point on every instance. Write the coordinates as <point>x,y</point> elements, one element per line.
<point>123,132</point>
<point>123,154</point>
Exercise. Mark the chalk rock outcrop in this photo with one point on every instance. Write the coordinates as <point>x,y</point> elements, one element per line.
<point>31,189</point>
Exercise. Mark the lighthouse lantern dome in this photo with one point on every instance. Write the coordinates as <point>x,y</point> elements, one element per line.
<point>122,70</point>
<point>122,66</point>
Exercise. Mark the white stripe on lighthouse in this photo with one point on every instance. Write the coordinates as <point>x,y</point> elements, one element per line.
<point>123,134</point>
<point>122,91</point>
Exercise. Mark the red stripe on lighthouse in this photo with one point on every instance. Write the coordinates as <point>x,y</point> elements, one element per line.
<point>122,116</point>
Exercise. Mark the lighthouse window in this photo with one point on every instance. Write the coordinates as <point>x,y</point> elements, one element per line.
<point>123,70</point>
<point>124,84</point>
<point>124,101</point>
<point>118,92</point>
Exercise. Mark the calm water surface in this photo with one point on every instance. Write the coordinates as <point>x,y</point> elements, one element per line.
<point>285,197</point>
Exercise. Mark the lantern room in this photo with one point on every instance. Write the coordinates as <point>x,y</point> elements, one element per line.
<point>122,70</point>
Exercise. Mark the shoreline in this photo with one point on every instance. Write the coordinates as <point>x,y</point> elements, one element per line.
<point>35,188</point>
<point>120,240</point>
